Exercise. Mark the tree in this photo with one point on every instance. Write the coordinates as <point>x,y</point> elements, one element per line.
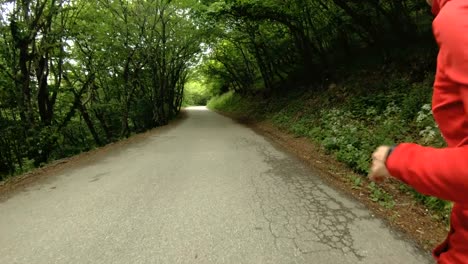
<point>78,74</point>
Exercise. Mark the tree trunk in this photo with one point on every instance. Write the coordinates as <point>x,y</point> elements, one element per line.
<point>102,121</point>
<point>89,123</point>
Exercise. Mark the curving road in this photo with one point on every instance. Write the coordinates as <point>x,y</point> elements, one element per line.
<point>206,191</point>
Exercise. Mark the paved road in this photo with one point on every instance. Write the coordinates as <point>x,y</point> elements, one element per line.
<point>206,191</point>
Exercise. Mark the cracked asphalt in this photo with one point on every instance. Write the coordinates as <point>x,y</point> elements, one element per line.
<point>206,191</point>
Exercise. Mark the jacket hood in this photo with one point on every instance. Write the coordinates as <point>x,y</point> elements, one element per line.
<point>437,5</point>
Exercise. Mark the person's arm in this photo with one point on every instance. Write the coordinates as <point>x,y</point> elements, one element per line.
<point>441,172</point>
<point>437,172</point>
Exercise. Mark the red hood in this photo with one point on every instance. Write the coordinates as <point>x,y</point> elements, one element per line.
<point>437,5</point>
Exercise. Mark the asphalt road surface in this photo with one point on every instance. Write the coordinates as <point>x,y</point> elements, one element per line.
<point>206,191</point>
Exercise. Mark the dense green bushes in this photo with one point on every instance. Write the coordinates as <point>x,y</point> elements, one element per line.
<point>195,93</point>
<point>75,75</point>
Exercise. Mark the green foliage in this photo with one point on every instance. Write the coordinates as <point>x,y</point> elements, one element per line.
<point>441,207</point>
<point>381,196</point>
<point>229,102</point>
<point>357,181</point>
<point>263,45</point>
<point>24,166</point>
<point>75,75</point>
<point>196,94</point>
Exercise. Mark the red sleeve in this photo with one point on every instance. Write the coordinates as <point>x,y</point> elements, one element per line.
<point>442,173</point>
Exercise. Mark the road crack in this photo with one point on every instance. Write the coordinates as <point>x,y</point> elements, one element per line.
<point>299,211</point>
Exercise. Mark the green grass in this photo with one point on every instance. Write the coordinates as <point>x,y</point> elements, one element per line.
<point>231,102</point>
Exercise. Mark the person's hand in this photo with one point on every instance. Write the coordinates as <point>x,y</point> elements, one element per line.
<point>378,172</point>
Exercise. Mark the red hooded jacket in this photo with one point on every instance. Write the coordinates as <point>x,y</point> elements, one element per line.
<point>444,172</point>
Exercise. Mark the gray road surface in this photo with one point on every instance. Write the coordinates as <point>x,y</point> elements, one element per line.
<point>206,191</point>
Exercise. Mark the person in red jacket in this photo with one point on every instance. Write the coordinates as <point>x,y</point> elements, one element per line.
<point>441,172</point>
